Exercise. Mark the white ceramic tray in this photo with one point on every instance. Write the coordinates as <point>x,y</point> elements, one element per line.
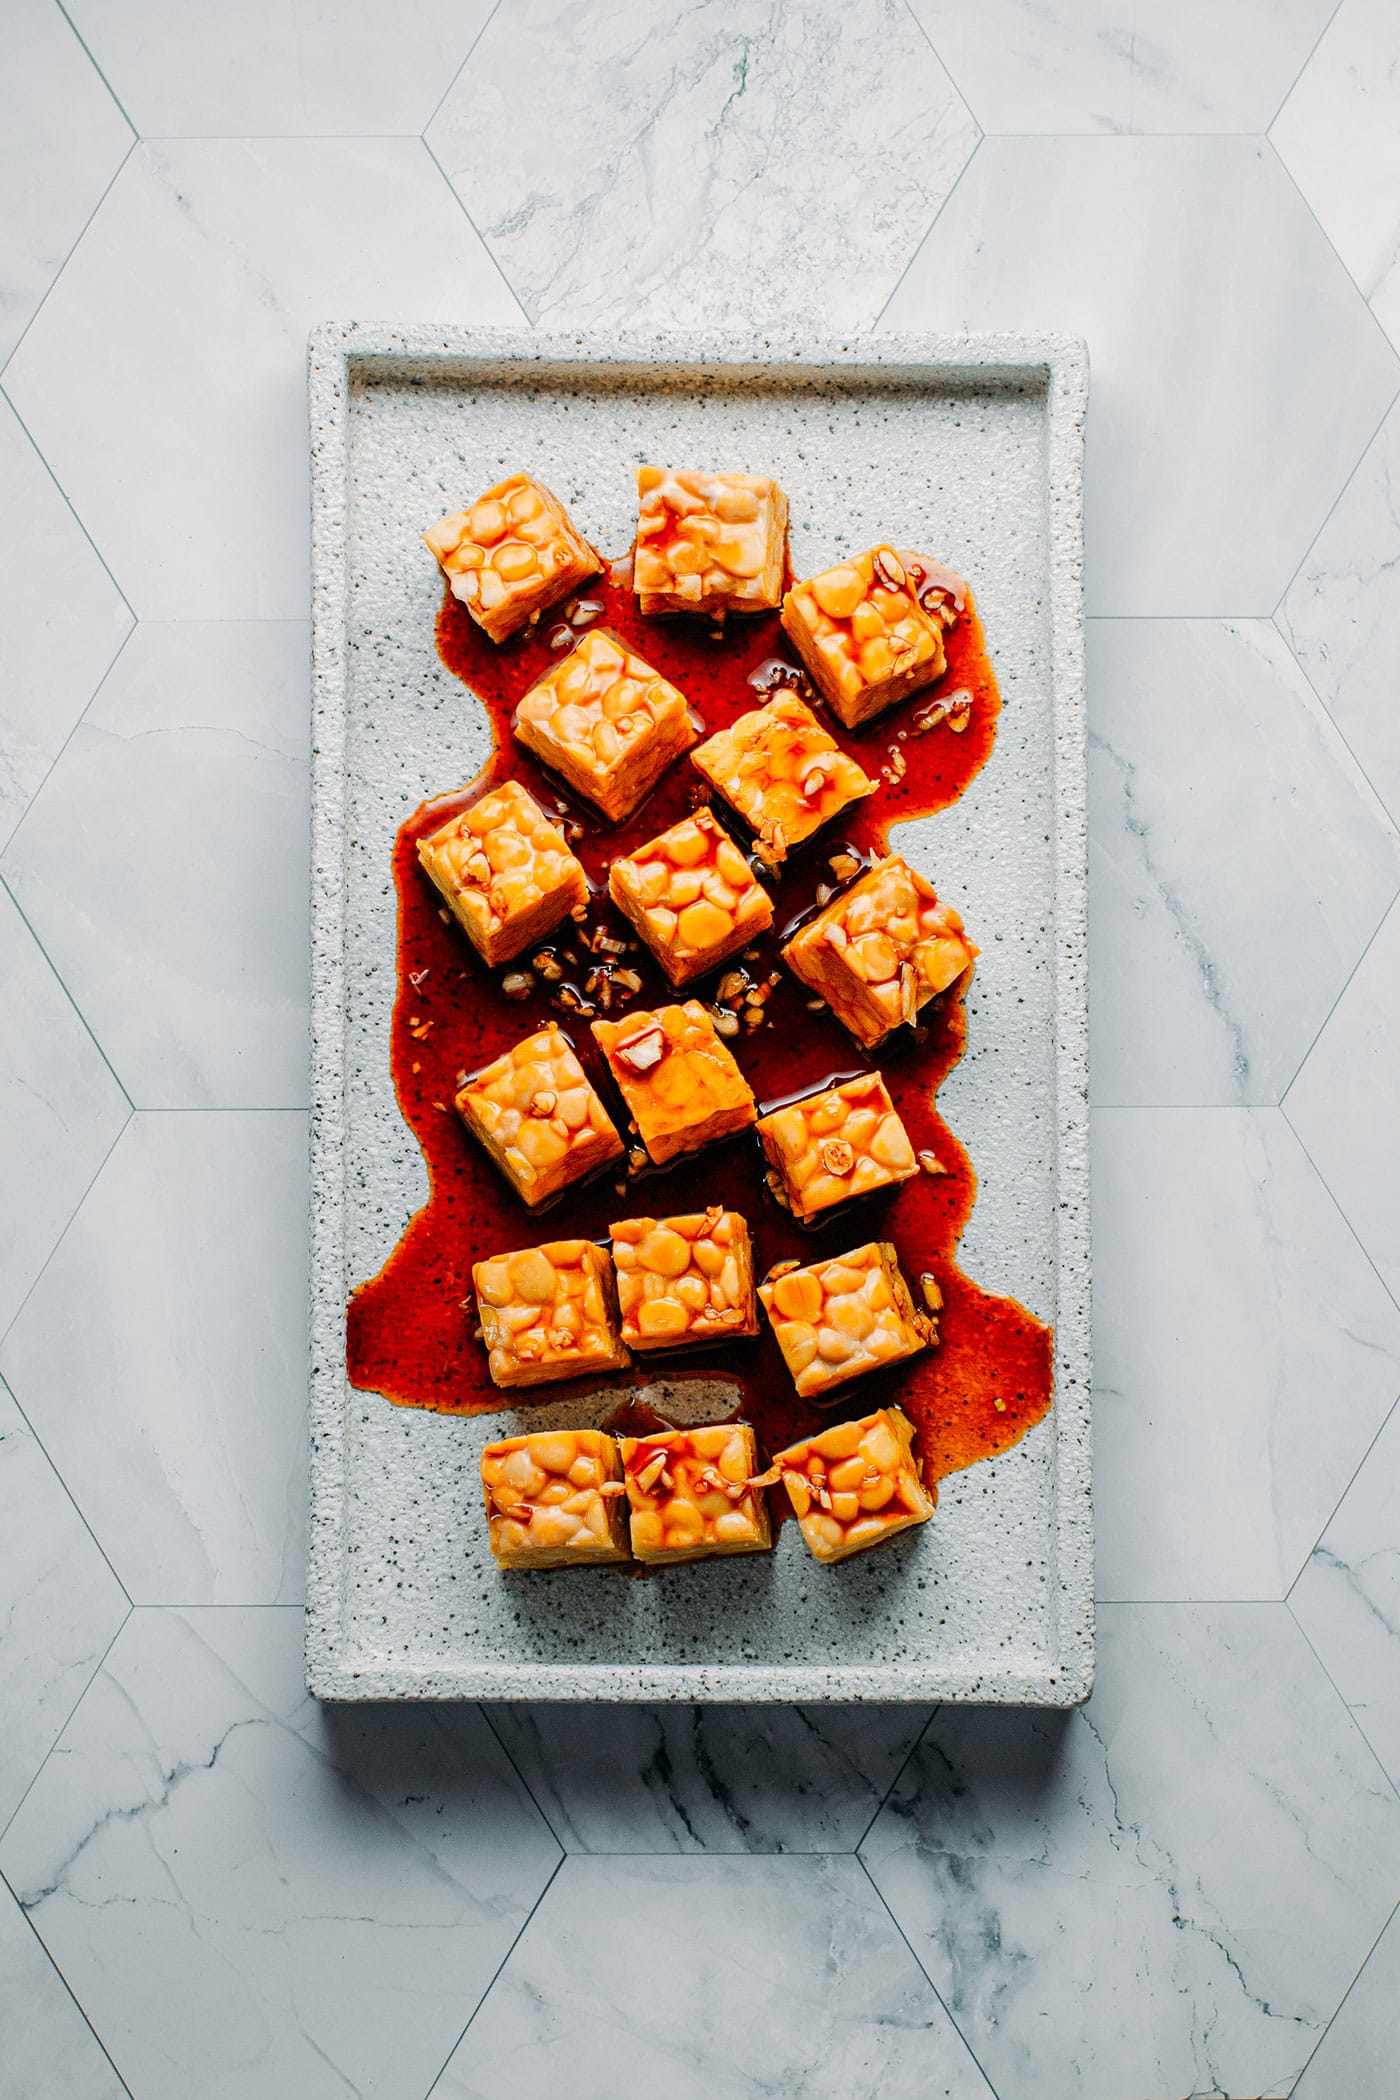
<point>972,449</point>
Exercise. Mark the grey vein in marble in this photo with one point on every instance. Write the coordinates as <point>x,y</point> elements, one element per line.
<point>62,139</point>
<point>703,1977</point>
<point>62,620</point>
<point>60,1606</point>
<point>1092,65</point>
<point>732,160</point>
<point>250,1896</point>
<point>1347,1599</point>
<point>1165,1892</point>
<point>708,1778</point>
<point>1345,1105</point>
<point>1245,1353</point>
<point>1216,316</point>
<point>61,1110</point>
<point>162,1358</point>
<point>169,850</point>
<point>47,2049</point>
<point>1342,612</point>
<point>1239,862</point>
<point>1339,134</point>
<point>165,380</point>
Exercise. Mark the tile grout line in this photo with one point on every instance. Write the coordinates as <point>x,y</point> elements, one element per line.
<point>929,231</point>
<point>1333,723</point>
<point>65,498</point>
<point>495,1977</point>
<point>1375,935</point>
<point>1331,244</point>
<point>59,981</point>
<point>500,1745</point>
<point>1312,54</point>
<point>905,1763</point>
<point>486,247</point>
<point>40,785</point>
<point>948,2016</point>
<point>67,1987</point>
<point>83,44</point>
<point>922,28</point>
<point>5,1386</point>
<point>467,54</point>
<point>1313,1650</point>
<point>13,1321</point>
<point>1345,1995</point>
<point>58,273</point>
<point>1331,513</point>
<point>88,1684</point>
<point>1341,1213</point>
<point>1389,1414</point>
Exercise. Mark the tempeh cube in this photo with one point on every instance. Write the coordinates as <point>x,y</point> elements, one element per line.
<point>708,543</point>
<point>682,1086</point>
<point>856,1484</point>
<point>538,1117</point>
<point>692,896</point>
<point>842,1317</point>
<point>780,770</point>
<point>606,722</point>
<point>881,950</point>
<point>513,554</point>
<point>556,1499</point>
<point>684,1279</point>
<point>846,1141</point>
<point>691,1493</point>
<point>505,871</point>
<point>548,1312</point>
<point>866,635</point>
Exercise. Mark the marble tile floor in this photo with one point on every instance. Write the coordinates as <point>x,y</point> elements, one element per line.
<point>212,1888</point>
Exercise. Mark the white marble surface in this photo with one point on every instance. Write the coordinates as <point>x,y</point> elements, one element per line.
<point>1189,1886</point>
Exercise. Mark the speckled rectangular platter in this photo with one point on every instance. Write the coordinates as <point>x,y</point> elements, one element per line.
<point>972,450</point>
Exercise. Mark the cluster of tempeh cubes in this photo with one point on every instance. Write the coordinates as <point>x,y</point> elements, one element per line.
<point>868,632</point>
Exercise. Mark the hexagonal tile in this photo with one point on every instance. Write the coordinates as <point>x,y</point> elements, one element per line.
<point>709,1778</point>
<point>1347,1599</point>
<point>194,68</point>
<point>1239,862</point>
<point>1245,1353</point>
<point>1216,316</point>
<point>658,168</point>
<point>311,1902</point>
<point>64,141</point>
<point>60,1605</point>
<point>1361,2048</point>
<point>709,1976</point>
<point>1350,91</point>
<point>168,851</point>
<point>162,1358</point>
<point>47,2049</point>
<point>1344,1106</point>
<point>1025,66</point>
<point>1166,1892</point>
<point>1342,612</point>
<point>165,380</point>
<point>62,620</point>
<point>61,1110</point>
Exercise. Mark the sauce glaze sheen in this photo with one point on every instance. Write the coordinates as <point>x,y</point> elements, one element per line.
<point>409,1336</point>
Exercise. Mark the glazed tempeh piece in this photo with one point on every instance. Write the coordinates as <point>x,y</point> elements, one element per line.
<point>839,1318</point>
<point>512,555</point>
<point>855,1485</point>
<point>684,1280</point>
<point>881,950</point>
<point>538,1116</point>
<point>681,1085</point>
<point>556,1499</point>
<point>691,1493</point>
<point>505,872</point>
<point>780,770</point>
<point>870,631</point>
<point>692,896</point>
<point>606,722</point>
<point>846,1141</point>
<point>547,1312</point>
<point>708,543</point>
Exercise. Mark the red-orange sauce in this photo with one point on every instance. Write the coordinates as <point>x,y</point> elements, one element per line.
<point>410,1336</point>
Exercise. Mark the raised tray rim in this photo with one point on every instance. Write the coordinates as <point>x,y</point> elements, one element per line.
<point>336,350</point>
